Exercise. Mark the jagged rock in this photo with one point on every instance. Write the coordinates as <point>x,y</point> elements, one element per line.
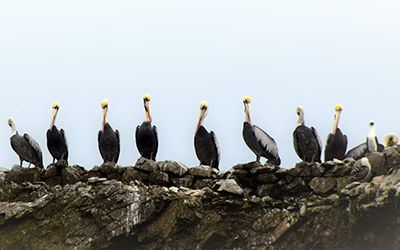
<point>203,183</point>
<point>145,165</point>
<point>264,169</point>
<point>186,181</point>
<point>159,178</point>
<point>248,166</point>
<point>201,171</point>
<point>378,164</point>
<point>229,186</point>
<point>322,185</point>
<point>297,186</point>
<point>2,177</point>
<point>342,182</point>
<point>21,175</point>
<point>131,174</point>
<point>266,178</point>
<point>71,175</point>
<point>173,167</point>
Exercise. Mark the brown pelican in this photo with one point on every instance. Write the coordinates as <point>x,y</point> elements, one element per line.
<point>205,143</point>
<point>361,171</point>
<point>56,141</point>
<point>257,140</point>
<point>146,134</point>
<point>108,138</point>
<point>390,140</point>
<point>371,145</point>
<point>336,144</point>
<point>306,140</point>
<point>25,146</point>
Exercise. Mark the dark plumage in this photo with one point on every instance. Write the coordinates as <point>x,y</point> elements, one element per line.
<point>205,143</point>
<point>56,140</point>
<point>147,140</point>
<point>361,171</point>
<point>26,147</point>
<point>108,139</point>
<point>146,134</point>
<point>306,141</point>
<point>257,139</point>
<point>109,144</point>
<point>336,146</point>
<point>57,144</point>
<point>371,145</point>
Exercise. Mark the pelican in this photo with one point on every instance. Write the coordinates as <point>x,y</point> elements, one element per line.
<point>25,146</point>
<point>257,140</point>
<point>336,144</point>
<point>306,140</point>
<point>205,143</point>
<point>371,145</point>
<point>146,134</point>
<point>390,140</point>
<point>56,141</point>
<point>108,138</point>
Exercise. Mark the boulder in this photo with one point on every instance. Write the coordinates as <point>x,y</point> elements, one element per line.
<point>322,185</point>
<point>172,167</point>
<point>229,186</point>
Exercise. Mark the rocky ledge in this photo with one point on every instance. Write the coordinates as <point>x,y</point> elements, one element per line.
<point>166,205</point>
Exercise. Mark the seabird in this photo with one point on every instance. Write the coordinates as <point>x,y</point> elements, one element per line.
<point>56,140</point>
<point>361,171</point>
<point>336,144</point>
<point>108,139</point>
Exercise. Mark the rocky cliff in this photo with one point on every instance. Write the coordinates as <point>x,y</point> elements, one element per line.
<point>166,205</point>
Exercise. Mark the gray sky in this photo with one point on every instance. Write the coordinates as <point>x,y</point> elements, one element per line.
<point>282,53</point>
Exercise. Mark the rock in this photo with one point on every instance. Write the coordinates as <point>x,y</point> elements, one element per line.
<point>297,187</point>
<point>186,181</point>
<point>93,180</point>
<point>201,171</point>
<point>203,183</point>
<point>5,170</point>
<point>322,185</point>
<point>264,169</point>
<point>339,170</point>
<point>70,175</point>
<point>159,178</point>
<point>131,174</point>
<point>229,186</point>
<point>173,167</point>
<point>174,189</point>
<point>2,177</point>
<point>50,171</point>
<point>378,164</point>
<point>145,165</point>
<point>266,178</point>
<point>342,182</point>
<point>21,175</point>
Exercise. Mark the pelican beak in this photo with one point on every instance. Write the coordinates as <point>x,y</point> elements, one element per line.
<point>146,103</point>
<point>338,112</point>
<point>53,117</point>
<point>247,112</point>
<point>104,109</point>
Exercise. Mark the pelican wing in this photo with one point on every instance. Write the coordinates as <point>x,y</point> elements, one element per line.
<point>66,143</point>
<point>156,142</point>
<point>216,145</point>
<point>358,152</point>
<point>34,145</point>
<point>118,145</point>
<point>266,141</point>
<point>361,172</point>
<point>314,131</point>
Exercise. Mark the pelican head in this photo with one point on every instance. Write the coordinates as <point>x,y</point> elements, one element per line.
<point>11,123</point>
<point>390,140</point>
<point>55,106</point>
<point>146,97</point>
<point>300,114</point>
<point>299,110</point>
<point>104,104</point>
<point>371,124</point>
<point>338,107</point>
<point>246,101</point>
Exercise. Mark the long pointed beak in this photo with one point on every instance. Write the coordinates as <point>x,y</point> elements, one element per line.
<point>247,112</point>
<point>53,118</point>
<point>336,122</point>
<point>104,116</point>
<point>147,110</point>
<point>201,118</point>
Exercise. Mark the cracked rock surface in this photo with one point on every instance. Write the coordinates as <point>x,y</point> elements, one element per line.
<point>166,205</point>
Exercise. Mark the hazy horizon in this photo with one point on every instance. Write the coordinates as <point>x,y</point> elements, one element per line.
<point>282,54</point>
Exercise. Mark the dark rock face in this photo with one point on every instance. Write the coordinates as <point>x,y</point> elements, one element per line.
<point>166,205</point>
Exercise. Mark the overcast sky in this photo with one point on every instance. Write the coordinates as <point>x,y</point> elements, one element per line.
<point>282,53</point>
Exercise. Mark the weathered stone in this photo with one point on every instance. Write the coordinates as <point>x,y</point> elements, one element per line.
<point>159,178</point>
<point>2,177</point>
<point>21,175</point>
<point>172,167</point>
<point>131,174</point>
<point>229,186</point>
<point>248,166</point>
<point>264,169</point>
<point>145,165</point>
<point>185,181</point>
<point>341,182</point>
<point>203,183</point>
<point>378,164</point>
<point>322,185</point>
<point>266,178</point>
<point>338,170</point>
<point>201,171</point>
<point>70,175</point>
<point>51,171</point>
<point>297,186</point>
